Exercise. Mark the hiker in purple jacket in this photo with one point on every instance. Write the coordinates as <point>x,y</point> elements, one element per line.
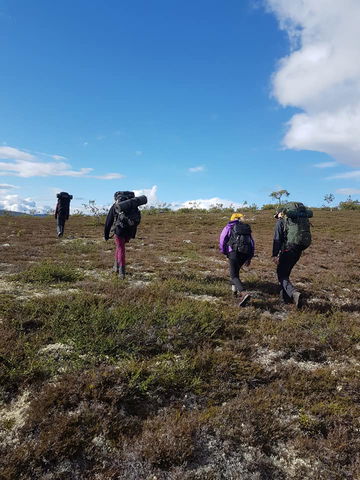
<point>237,244</point>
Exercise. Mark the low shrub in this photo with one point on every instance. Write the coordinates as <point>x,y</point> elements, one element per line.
<point>49,273</point>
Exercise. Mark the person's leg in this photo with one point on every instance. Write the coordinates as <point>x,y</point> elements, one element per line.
<point>117,254</point>
<point>287,260</point>
<point>120,254</point>
<point>234,267</point>
<point>60,226</point>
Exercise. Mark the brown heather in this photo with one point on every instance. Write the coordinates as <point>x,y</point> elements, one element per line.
<point>162,376</point>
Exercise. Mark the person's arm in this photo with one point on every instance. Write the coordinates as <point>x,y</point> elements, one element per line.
<point>109,222</point>
<point>224,237</point>
<point>56,209</point>
<point>252,245</point>
<point>278,238</point>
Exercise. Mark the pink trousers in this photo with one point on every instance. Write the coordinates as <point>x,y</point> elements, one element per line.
<point>120,250</point>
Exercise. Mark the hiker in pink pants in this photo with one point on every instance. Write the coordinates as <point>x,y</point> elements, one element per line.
<point>124,226</point>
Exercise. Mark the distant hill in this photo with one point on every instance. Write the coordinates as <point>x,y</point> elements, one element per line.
<point>12,214</point>
<point>16,214</point>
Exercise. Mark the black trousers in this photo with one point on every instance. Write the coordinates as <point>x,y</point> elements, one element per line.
<point>287,261</point>
<point>236,261</point>
<point>60,225</point>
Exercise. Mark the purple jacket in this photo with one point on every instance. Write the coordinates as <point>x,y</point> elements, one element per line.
<point>224,237</point>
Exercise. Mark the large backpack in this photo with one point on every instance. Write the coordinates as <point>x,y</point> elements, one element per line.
<point>64,199</point>
<point>240,238</point>
<point>297,225</point>
<point>125,220</point>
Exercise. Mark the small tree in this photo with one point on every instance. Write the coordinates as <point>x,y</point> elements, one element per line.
<point>279,194</point>
<point>329,198</point>
<point>96,212</point>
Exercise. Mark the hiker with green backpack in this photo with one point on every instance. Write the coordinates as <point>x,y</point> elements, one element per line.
<point>291,237</point>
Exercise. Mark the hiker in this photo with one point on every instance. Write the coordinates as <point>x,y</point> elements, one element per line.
<point>123,219</point>
<point>237,244</point>
<point>291,237</point>
<point>62,212</point>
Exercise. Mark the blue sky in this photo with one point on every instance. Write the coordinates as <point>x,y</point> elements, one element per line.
<point>203,101</point>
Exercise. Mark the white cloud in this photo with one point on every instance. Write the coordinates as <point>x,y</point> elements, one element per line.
<point>26,169</point>
<point>200,168</point>
<point>354,175</point>
<point>348,191</point>
<point>208,203</point>
<point>23,164</point>
<point>153,201</point>
<point>6,186</point>
<point>321,76</point>
<point>10,153</point>
<point>325,165</point>
<point>108,176</point>
<point>151,194</point>
<point>15,203</point>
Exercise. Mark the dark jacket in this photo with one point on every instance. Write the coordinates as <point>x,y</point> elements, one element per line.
<point>128,232</point>
<point>62,210</point>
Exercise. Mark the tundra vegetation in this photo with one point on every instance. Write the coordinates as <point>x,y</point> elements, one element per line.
<point>162,375</point>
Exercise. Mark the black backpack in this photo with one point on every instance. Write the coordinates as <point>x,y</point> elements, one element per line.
<point>64,199</point>
<point>125,220</point>
<point>240,238</point>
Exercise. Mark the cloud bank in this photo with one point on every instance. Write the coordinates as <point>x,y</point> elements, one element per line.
<point>15,203</point>
<point>203,203</point>
<point>151,194</point>
<point>321,76</point>
<point>22,164</point>
<point>348,191</point>
<point>207,203</point>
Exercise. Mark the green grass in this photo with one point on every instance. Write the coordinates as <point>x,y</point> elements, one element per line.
<point>49,273</point>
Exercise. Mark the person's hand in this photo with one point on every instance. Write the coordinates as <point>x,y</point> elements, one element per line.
<point>275,260</point>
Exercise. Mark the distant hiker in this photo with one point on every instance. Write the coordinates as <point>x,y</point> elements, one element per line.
<point>291,237</point>
<point>123,219</point>
<point>62,211</point>
<point>237,244</point>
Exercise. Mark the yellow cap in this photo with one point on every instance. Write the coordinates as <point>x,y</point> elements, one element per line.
<point>236,216</point>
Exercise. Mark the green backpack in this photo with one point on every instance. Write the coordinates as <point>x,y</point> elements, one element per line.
<point>297,225</point>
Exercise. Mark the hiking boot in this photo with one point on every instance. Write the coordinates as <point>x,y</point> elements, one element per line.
<point>122,272</point>
<point>297,297</point>
<point>244,297</point>
<point>234,290</point>
<point>284,298</point>
<point>115,268</point>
